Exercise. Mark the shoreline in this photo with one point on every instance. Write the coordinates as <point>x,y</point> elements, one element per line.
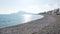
<point>22,23</point>
<point>46,25</point>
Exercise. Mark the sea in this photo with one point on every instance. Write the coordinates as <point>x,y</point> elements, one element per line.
<point>7,20</point>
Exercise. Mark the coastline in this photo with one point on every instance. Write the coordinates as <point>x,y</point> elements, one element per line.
<point>42,26</point>
<point>24,22</point>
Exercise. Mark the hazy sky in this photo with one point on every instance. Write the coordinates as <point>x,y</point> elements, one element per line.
<point>32,6</point>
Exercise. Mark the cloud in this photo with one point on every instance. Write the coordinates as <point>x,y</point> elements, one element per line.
<point>32,6</point>
<point>50,6</point>
<point>6,11</point>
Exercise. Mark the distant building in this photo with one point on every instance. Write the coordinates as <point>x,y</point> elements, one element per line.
<point>52,12</point>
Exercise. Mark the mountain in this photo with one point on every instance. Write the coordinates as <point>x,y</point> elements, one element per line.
<point>23,12</point>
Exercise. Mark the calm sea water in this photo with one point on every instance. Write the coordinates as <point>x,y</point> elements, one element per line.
<point>11,20</point>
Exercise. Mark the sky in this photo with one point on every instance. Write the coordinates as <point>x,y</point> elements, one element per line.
<point>31,6</point>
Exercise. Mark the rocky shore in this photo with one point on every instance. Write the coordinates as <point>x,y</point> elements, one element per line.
<point>47,25</point>
<point>50,24</point>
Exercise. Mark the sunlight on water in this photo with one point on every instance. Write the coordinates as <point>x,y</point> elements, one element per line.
<point>11,20</point>
<point>27,17</point>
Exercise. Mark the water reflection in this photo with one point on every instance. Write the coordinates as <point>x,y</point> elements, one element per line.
<point>10,20</point>
<point>27,17</point>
